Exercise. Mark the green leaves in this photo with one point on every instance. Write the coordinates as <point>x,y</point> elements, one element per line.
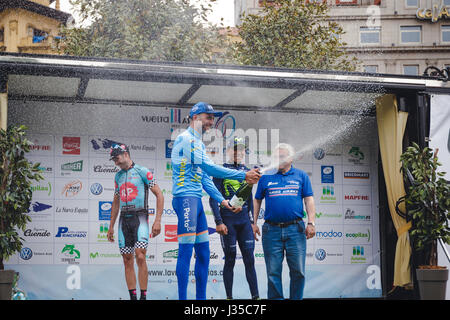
<point>16,177</point>
<point>169,30</point>
<point>427,200</point>
<point>292,34</point>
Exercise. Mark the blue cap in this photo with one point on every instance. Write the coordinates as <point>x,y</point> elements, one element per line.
<point>203,107</point>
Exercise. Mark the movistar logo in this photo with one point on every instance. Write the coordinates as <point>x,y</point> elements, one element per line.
<point>95,255</point>
<point>328,215</point>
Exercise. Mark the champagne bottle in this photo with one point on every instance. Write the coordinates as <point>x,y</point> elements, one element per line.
<point>241,195</point>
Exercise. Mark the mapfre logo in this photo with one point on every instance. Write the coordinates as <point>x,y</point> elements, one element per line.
<point>71,145</point>
<point>357,196</point>
<point>170,233</point>
<point>72,188</point>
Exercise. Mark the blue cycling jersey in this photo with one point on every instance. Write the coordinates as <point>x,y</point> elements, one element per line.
<point>132,187</point>
<point>192,168</point>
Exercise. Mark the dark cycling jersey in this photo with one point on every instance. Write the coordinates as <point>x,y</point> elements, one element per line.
<point>228,187</point>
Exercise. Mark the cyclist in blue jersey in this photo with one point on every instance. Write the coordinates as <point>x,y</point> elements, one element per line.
<point>131,197</point>
<point>192,169</point>
<point>235,226</point>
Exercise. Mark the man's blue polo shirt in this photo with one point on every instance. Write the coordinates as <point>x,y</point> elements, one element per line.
<point>284,193</point>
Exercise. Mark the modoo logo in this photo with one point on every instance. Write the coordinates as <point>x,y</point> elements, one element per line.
<point>328,235</point>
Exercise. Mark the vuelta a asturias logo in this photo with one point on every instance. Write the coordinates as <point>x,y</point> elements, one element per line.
<point>128,192</point>
<point>226,124</point>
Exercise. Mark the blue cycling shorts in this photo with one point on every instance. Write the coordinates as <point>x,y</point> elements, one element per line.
<point>192,225</point>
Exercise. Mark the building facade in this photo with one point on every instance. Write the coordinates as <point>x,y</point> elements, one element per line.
<point>387,36</point>
<point>31,26</point>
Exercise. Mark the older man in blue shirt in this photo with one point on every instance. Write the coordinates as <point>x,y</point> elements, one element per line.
<point>284,230</point>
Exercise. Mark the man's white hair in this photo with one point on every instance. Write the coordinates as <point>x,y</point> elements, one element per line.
<point>286,146</point>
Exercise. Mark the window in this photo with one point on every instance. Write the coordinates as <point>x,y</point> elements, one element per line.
<point>411,34</point>
<point>260,2</point>
<point>2,34</point>
<point>315,1</point>
<point>411,70</point>
<point>447,3</point>
<point>371,69</point>
<point>346,2</point>
<point>39,35</point>
<point>412,3</point>
<point>369,35</point>
<point>445,33</point>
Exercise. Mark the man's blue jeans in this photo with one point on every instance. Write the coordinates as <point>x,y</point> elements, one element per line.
<point>277,241</point>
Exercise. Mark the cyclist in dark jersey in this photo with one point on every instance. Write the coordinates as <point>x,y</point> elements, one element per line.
<point>235,226</point>
<point>131,197</point>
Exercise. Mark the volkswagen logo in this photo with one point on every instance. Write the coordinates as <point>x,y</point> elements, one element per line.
<point>320,254</point>
<point>96,188</point>
<point>319,153</point>
<point>26,253</point>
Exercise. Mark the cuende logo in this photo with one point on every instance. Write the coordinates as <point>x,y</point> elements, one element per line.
<point>36,233</point>
<point>105,168</point>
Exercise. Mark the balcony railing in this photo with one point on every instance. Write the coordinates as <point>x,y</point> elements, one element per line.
<point>338,2</point>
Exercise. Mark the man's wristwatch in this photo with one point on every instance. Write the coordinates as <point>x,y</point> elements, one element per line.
<point>312,223</point>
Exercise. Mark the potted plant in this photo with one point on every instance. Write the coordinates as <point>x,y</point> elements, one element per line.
<point>427,203</point>
<point>16,177</point>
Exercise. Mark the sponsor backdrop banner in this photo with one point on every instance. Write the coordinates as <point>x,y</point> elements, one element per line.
<point>66,254</point>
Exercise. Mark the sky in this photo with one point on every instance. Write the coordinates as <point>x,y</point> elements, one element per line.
<point>221,9</point>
